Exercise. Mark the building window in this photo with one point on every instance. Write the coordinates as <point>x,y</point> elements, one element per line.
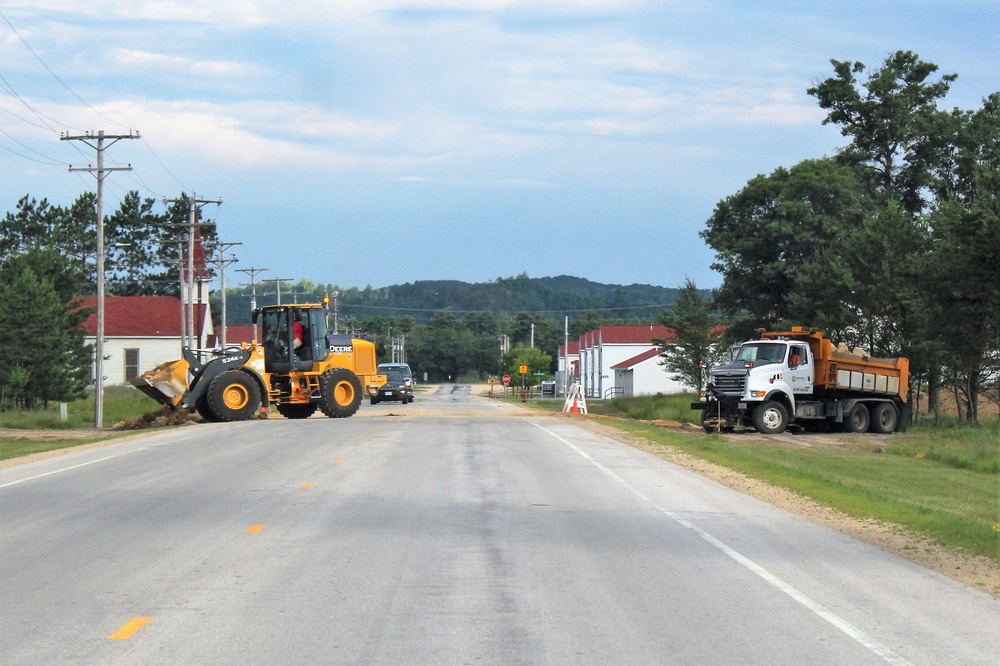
<point>131,364</point>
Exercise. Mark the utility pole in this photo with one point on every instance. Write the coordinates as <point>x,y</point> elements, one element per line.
<point>98,143</point>
<point>222,263</point>
<point>277,286</point>
<point>335,294</point>
<point>196,205</point>
<point>252,272</point>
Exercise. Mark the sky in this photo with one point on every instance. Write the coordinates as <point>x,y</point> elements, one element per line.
<point>380,142</point>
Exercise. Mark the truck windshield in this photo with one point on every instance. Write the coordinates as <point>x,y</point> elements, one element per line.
<point>761,353</point>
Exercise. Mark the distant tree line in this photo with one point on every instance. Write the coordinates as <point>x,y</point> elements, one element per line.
<point>892,245</point>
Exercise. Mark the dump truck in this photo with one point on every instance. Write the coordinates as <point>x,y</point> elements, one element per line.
<point>298,366</point>
<point>800,377</point>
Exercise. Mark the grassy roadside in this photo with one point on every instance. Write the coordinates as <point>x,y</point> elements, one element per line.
<point>22,430</point>
<point>942,483</point>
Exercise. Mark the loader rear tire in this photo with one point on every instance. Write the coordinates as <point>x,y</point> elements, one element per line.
<point>302,410</point>
<point>233,396</point>
<point>340,393</point>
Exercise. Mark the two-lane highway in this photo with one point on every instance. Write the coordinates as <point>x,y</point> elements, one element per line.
<point>451,531</point>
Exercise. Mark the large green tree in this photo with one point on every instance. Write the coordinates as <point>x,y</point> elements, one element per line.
<point>697,336</point>
<point>773,230</point>
<point>897,131</point>
<point>43,357</point>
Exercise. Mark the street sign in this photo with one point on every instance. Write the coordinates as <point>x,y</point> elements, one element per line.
<point>524,369</point>
<point>506,380</point>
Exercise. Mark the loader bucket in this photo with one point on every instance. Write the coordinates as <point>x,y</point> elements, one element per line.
<point>166,383</point>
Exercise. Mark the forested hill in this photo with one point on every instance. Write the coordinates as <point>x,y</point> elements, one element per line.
<point>554,297</point>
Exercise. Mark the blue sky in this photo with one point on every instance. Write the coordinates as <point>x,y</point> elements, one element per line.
<point>375,142</point>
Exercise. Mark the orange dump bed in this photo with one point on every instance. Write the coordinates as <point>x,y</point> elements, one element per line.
<point>846,370</point>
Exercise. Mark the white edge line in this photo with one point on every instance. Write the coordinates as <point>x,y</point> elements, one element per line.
<point>843,625</point>
<point>66,469</point>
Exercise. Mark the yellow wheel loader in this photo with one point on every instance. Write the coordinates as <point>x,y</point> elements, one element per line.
<point>298,366</point>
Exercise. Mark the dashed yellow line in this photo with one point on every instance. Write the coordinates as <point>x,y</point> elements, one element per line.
<point>337,459</point>
<point>254,529</point>
<point>307,484</point>
<point>127,630</point>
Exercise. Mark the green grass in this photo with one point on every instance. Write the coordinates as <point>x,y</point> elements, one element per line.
<point>673,407</point>
<point>955,445</point>
<point>120,403</point>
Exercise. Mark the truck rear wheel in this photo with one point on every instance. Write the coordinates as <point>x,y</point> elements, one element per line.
<point>884,418</point>
<point>857,418</point>
<point>770,418</point>
<point>341,393</point>
<point>233,396</point>
<point>302,410</point>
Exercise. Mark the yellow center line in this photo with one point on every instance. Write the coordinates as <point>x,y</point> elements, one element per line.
<point>337,459</point>
<point>254,529</point>
<point>307,484</point>
<point>128,629</point>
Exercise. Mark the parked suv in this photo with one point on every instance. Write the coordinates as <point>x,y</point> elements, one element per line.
<point>395,388</point>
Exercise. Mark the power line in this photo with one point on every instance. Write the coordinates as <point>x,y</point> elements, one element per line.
<point>55,76</point>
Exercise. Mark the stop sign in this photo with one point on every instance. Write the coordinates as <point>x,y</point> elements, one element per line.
<point>506,380</point>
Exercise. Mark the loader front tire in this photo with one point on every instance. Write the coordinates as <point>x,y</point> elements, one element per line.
<point>233,396</point>
<point>202,408</point>
<point>340,393</point>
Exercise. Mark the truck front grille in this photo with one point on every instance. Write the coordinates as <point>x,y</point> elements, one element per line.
<point>730,384</point>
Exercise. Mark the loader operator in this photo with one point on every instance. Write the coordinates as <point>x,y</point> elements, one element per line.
<point>297,331</point>
<point>279,341</point>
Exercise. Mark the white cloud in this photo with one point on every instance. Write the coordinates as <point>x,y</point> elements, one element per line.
<point>148,61</point>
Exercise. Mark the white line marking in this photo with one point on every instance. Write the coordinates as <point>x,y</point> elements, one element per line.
<point>66,469</point>
<point>843,625</point>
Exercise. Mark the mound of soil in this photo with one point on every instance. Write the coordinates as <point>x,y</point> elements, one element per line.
<point>160,418</point>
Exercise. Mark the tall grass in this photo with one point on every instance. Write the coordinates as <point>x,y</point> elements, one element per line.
<point>672,407</point>
<point>120,403</point>
<point>957,445</point>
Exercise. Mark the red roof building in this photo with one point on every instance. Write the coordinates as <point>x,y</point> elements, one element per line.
<point>622,360</point>
<point>140,332</point>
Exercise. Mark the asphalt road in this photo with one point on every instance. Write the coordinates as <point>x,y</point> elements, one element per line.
<point>450,531</point>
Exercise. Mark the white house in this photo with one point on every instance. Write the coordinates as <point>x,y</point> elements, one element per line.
<point>569,357</point>
<point>140,332</point>
<point>608,346</point>
<point>643,375</point>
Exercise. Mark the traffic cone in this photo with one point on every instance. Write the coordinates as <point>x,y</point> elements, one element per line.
<point>574,409</point>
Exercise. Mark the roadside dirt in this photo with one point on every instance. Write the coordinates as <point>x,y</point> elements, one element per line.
<point>979,572</point>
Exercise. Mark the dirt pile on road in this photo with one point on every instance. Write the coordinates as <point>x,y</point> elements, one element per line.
<point>160,418</point>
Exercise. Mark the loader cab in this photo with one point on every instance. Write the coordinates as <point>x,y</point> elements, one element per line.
<point>280,324</point>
